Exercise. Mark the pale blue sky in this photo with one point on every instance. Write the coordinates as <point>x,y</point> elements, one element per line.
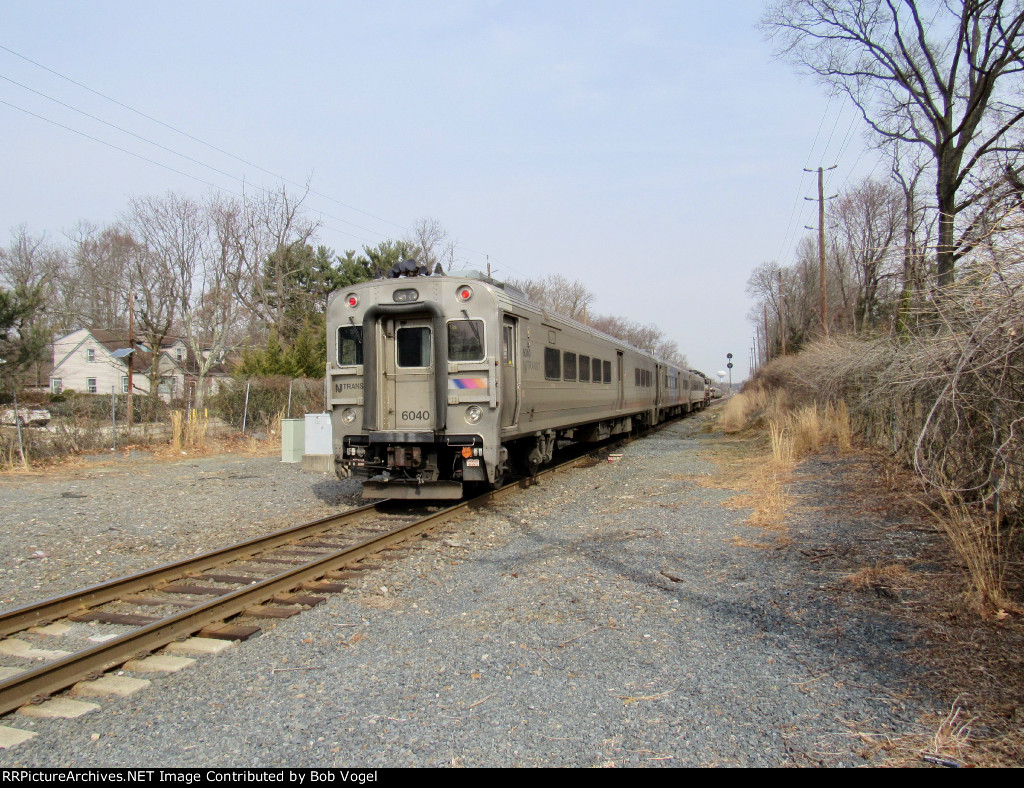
<point>652,149</point>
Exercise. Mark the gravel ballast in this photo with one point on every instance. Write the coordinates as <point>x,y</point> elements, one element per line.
<point>605,617</point>
<point>113,515</point>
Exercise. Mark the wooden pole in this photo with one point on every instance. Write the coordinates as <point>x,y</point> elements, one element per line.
<point>767,345</point>
<point>131,357</point>
<point>821,249</point>
<point>782,318</point>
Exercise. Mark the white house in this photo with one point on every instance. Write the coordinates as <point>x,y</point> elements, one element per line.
<point>94,361</point>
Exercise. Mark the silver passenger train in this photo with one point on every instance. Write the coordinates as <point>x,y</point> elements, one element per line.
<point>436,382</point>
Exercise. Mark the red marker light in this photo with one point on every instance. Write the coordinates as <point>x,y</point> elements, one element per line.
<point>464,293</point>
<point>353,300</point>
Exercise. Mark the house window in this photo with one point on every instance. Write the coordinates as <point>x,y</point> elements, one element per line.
<point>90,355</point>
<point>90,385</point>
<point>179,353</point>
<point>124,384</point>
<point>56,385</point>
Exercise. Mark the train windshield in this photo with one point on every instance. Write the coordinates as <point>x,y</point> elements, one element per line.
<point>350,345</point>
<point>466,340</point>
<point>414,347</point>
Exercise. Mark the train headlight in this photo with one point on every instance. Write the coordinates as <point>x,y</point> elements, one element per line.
<point>352,300</point>
<point>405,296</point>
<point>473,414</point>
<point>348,415</point>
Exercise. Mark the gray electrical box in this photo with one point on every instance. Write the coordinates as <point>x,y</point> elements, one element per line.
<point>319,453</point>
<point>318,433</point>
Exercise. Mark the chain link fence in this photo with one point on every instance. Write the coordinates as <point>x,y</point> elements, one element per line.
<point>82,423</point>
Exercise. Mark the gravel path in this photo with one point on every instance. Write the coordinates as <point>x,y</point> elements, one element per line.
<point>607,616</point>
<point>66,529</point>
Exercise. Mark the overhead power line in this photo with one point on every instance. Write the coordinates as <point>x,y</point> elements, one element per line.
<point>158,163</point>
<point>194,138</point>
<point>198,140</point>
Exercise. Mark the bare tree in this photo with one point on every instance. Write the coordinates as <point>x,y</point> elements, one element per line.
<point>209,309</point>
<point>96,291</point>
<point>172,236</point>
<point>30,262</point>
<point>430,243</point>
<point>269,225</point>
<point>937,74</point>
<point>906,171</point>
<point>557,293</point>
<point>866,220</point>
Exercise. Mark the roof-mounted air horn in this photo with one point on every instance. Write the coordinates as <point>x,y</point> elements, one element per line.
<point>408,268</point>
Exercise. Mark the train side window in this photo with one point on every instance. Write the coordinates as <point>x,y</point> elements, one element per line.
<point>466,340</point>
<point>350,345</point>
<point>552,363</point>
<point>596,370</point>
<point>607,371</point>
<point>569,366</point>
<point>636,375</point>
<point>413,346</point>
<point>508,345</point>
<point>584,369</point>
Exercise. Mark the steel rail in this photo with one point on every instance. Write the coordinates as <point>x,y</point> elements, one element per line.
<point>52,609</point>
<point>43,681</point>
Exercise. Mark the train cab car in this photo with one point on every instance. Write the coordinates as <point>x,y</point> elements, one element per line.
<point>435,382</point>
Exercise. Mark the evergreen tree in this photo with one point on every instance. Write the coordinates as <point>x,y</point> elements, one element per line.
<point>307,356</point>
<point>22,340</point>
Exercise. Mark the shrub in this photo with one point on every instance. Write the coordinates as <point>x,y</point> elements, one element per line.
<point>268,400</point>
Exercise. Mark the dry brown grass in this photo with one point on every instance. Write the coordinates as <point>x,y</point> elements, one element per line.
<point>783,445</point>
<point>981,540</point>
<point>177,430</point>
<point>13,462</point>
<point>197,428</point>
<point>734,413</point>
<point>890,576</point>
<point>838,416</point>
<point>739,541</point>
<point>189,430</point>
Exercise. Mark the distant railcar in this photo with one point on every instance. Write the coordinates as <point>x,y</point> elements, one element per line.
<point>435,382</point>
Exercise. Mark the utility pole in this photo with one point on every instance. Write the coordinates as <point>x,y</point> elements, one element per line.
<point>131,357</point>
<point>767,347</point>
<point>782,317</point>
<point>821,243</point>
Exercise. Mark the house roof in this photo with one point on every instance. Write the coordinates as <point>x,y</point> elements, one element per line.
<point>111,340</point>
<point>116,344</point>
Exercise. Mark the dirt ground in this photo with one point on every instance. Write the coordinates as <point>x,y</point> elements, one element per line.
<point>858,522</point>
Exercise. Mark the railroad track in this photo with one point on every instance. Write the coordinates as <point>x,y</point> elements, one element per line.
<point>270,577</point>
